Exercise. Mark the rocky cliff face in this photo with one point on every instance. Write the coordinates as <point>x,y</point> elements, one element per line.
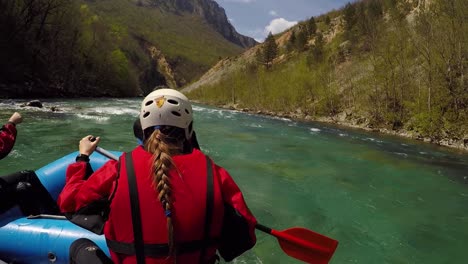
<point>210,11</point>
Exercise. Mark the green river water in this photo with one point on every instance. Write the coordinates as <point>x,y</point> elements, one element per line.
<point>385,199</point>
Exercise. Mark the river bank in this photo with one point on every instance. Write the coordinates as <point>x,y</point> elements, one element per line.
<point>345,119</point>
<point>348,119</point>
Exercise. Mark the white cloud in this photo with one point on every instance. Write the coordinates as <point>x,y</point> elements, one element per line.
<point>279,25</point>
<point>273,13</point>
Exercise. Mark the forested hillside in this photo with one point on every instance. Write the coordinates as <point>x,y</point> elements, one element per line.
<point>391,65</point>
<point>51,48</point>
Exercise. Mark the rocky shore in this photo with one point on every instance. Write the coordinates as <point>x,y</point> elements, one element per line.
<point>348,119</point>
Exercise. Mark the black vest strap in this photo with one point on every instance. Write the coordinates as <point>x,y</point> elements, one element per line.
<point>140,249</point>
<point>209,204</point>
<point>135,206</point>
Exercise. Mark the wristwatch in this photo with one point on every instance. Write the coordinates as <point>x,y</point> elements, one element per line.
<point>82,157</point>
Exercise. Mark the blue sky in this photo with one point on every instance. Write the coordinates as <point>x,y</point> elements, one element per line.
<point>255,18</point>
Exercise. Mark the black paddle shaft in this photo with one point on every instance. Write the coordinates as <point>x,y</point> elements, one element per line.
<point>263,228</point>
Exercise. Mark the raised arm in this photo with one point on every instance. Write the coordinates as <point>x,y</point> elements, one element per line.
<point>8,134</point>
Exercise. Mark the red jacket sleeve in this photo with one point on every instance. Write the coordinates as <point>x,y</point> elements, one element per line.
<point>79,192</point>
<point>232,195</point>
<point>7,139</point>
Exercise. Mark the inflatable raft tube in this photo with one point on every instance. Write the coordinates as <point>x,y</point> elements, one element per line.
<point>45,238</point>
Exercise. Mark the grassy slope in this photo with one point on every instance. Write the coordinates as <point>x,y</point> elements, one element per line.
<point>348,91</point>
<point>183,38</point>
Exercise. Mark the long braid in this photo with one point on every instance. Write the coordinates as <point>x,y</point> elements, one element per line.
<point>162,164</point>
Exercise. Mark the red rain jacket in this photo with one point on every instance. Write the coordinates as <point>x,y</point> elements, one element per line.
<point>7,139</point>
<point>189,202</point>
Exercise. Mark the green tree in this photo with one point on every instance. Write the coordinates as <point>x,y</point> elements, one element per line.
<point>349,16</point>
<point>311,27</point>
<point>316,53</point>
<point>451,26</point>
<point>368,22</point>
<point>301,39</point>
<point>259,56</point>
<point>375,9</point>
<point>270,50</point>
<point>438,97</point>
<point>291,42</point>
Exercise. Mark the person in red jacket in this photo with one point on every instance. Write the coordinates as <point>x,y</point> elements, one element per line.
<point>8,134</point>
<point>170,202</point>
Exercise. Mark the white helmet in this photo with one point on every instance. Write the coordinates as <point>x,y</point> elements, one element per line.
<point>167,107</point>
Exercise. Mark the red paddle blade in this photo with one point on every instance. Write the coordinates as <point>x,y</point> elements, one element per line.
<point>306,245</point>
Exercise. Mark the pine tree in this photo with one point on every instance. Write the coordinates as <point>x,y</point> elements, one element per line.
<point>270,50</point>
<point>349,16</point>
<point>311,27</point>
<point>316,55</point>
<point>292,42</point>
<point>301,39</point>
<point>317,50</point>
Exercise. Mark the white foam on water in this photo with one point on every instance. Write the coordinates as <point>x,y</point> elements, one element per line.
<point>241,261</point>
<point>60,107</point>
<point>114,110</point>
<point>281,118</point>
<point>313,129</point>
<point>372,140</point>
<point>343,134</point>
<point>198,108</point>
<point>7,104</point>
<point>207,110</point>
<point>254,125</point>
<point>401,154</point>
<point>226,114</point>
<point>128,101</point>
<point>22,108</point>
<point>15,154</point>
<point>91,117</point>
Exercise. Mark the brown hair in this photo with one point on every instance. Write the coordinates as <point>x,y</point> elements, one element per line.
<point>162,150</point>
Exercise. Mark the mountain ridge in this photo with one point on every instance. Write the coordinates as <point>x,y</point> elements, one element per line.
<point>211,11</point>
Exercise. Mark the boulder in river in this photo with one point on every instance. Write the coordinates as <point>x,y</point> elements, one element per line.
<point>34,103</point>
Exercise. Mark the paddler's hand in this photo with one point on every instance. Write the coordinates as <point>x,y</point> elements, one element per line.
<point>16,118</point>
<point>88,144</point>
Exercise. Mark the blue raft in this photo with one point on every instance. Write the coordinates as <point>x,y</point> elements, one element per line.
<point>45,238</point>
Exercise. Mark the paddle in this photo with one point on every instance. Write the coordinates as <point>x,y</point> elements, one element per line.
<point>297,242</point>
<point>303,244</point>
<point>104,152</point>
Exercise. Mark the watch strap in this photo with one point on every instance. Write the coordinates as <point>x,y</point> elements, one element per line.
<point>82,157</point>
